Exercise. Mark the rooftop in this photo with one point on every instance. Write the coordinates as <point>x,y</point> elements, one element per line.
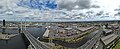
<point>84,28</point>
<point>107,30</point>
<point>108,39</point>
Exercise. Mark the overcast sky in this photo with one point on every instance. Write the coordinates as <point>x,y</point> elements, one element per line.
<point>105,5</point>
<point>75,4</point>
<point>71,4</point>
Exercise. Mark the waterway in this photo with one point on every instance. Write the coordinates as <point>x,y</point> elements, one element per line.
<point>78,44</point>
<point>18,42</point>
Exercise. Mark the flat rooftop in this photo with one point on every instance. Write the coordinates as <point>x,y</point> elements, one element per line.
<point>108,39</point>
<point>46,34</point>
<point>84,28</point>
<point>107,30</point>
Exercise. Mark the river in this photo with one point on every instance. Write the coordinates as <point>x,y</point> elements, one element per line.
<point>18,42</point>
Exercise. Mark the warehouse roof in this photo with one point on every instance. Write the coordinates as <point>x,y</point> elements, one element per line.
<point>108,39</point>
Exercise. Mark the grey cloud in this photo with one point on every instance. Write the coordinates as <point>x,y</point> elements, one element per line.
<point>95,6</point>
<point>83,4</point>
<point>67,6</point>
<point>1,7</point>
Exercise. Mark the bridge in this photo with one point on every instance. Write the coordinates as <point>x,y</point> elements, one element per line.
<point>34,42</point>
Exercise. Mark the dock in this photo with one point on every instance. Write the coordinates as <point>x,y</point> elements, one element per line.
<point>6,36</point>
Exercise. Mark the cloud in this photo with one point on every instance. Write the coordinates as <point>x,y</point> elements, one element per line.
<point>84,3</point>
<point>62,4</point>
<point>82,6</point>
<point>95,6</point>
<point>70,4</point>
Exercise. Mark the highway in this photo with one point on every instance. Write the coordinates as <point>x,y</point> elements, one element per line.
<point>89,44</point>
<point>100,46</point>
<point>35,43</point>
<point>94,40</point>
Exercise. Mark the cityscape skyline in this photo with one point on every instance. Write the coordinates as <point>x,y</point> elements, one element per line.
<point>59,24</point>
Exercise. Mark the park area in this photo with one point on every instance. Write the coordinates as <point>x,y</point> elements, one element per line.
<point>117,46</point>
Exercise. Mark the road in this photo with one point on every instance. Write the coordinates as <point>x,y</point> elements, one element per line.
<point>89,44</point>
<point>36,43</point>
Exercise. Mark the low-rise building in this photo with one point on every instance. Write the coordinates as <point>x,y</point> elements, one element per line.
<point>109,41</point>
<point>107,32</point>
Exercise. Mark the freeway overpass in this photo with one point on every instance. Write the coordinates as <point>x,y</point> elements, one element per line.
<point>89,44</point>
<point>34,42</point>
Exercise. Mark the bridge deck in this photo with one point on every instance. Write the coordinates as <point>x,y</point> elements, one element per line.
<point>36,43</point>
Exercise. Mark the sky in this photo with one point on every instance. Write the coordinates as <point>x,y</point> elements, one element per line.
<point>9,9</point>
<point>109,5</point>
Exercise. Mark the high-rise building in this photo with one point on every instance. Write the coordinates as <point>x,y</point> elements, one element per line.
<point>3,22</point>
